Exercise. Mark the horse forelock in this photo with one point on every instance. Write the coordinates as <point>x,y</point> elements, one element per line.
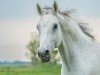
<point>47,10</point>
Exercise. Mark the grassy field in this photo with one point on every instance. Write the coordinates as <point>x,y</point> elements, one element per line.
<point>44,69</point>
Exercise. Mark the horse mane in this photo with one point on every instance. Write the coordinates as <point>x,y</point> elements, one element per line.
<point>84,26</point>
<point>70,13</point>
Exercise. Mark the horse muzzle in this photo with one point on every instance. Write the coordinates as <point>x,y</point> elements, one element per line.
<point>44,56</point>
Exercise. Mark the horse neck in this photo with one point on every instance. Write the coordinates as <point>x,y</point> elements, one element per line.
<point>73,40</point>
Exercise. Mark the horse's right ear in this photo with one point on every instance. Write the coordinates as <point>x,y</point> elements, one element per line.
<point>55,7</point>
<point>39,10</point>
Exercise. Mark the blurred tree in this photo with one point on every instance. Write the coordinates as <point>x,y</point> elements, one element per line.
<point>33,48</point>
<point>55,56</point>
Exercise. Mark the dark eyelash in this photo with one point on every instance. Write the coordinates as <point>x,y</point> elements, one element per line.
<point>38,27</point>
<point>55,26</point>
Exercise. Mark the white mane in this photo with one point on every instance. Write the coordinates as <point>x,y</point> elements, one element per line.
<point>84,26</point>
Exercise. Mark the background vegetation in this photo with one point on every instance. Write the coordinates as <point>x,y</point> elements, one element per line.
<point>44,69</point>
<point>35,67</point>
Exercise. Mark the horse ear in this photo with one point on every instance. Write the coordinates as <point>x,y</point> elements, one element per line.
<point>39,10</point>
<point>55,6</point>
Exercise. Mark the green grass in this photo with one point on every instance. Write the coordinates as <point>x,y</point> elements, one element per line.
<point>42,69</point>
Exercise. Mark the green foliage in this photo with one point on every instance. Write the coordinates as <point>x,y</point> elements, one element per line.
<point>33,46</point>
<point>44,69</point>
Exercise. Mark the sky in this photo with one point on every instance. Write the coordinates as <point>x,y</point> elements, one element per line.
<point>18,19</point>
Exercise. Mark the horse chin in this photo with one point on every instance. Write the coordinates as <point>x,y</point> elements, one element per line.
<point>45,60</point>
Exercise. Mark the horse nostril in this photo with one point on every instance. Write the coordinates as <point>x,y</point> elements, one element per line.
<point>46,52</point>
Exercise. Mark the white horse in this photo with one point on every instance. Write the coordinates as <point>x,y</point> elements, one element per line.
<point>79,50</point>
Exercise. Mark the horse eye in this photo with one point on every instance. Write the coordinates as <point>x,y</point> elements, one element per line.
<point>55,26</point>
<point>38,27</point>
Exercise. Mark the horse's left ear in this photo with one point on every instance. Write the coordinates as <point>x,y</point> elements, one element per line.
<point>55,7</point>
<point>39,9</point>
